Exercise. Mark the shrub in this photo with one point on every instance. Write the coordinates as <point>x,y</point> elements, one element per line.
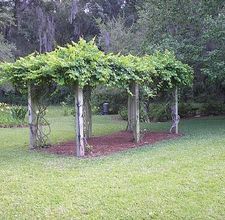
<point>201,109</point>
<point>66,109</point>
<point>123,113</point>
<point>159,112</point>
<point>162,111</point>
<point>15,98</point>
<point>18,112</point>
<point>213,108</point>
<point>116,98</point>
<point>187,110</point>
<point>12,115</point>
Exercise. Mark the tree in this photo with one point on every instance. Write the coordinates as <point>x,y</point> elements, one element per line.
<point>188,28</point>
<point>6,49</point>
<point>116,37</point>
<point>214,51</point>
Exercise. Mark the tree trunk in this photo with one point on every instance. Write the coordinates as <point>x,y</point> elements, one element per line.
<point>79,121</point>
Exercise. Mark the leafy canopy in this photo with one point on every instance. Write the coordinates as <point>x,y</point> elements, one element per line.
<point>84,64</point>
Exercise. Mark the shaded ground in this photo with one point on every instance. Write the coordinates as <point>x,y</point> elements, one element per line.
<point>104,145</point>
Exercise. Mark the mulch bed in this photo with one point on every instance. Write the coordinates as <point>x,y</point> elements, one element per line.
<point>105,145</point>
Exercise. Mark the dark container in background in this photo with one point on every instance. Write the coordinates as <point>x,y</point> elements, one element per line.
<point>105,108</point>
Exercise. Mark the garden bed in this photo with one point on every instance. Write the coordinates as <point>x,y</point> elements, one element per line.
<point>105,145</point>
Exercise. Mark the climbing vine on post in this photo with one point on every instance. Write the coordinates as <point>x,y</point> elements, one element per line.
<point>29,76</point>
<point>174,114</point>
<point>32,118</point>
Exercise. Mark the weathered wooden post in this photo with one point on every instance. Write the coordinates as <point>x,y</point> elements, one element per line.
<point>32,116</point>
<point>136,121</point>
<point>176,111</point>
<point>175,115</point>
<point>133,112</point>
<point>129,113</point>
<point>79,121</point>
<point>87,113</point>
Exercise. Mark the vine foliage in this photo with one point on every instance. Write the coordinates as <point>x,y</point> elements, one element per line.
<point>85,65</point>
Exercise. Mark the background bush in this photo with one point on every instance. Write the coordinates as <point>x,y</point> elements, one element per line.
<point>12,115</point>
<point>116,98</point>
<point>18,112</point>
<point>161,111</point>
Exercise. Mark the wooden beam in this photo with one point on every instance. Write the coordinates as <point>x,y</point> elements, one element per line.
<point>129,113</point>
<point>32,108</point>
<point>176,112</point>
<point>79,121</point>
<point>87,113</point>
<point>136,119</point>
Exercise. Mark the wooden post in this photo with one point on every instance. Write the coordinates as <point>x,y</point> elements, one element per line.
<point>176,111</point>
<point>32,108</point>
<point>79,121</point>
<point>174,114</point>
<point>129,113</point>
<point>89,121</point>
<point>87,113</point>
<point>135,113</point>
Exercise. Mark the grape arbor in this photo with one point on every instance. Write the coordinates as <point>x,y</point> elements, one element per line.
<point>82,66</point>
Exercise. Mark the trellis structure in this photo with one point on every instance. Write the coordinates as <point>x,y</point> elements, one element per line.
<point>83,66</point>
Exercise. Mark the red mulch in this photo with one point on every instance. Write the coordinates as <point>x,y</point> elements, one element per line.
<point>105,145</point>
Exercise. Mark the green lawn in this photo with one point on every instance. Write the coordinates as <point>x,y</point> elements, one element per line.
<point>176,179</point>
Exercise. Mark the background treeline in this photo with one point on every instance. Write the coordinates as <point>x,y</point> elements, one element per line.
<point>193,29</point>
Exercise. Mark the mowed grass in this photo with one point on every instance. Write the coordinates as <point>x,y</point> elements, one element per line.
<point>175,179</point>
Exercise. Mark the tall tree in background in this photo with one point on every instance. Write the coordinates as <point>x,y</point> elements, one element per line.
<point>194,30</point>
<point>35,26</point>
<point>6,49</point>
<point>40,25</point>
<point>214,52</point>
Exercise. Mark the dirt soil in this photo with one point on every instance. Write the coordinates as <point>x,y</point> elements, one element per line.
<point>105,145</point>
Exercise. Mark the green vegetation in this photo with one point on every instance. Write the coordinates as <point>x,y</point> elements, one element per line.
<point>176,179</point>
<point>84,64</point>
<point>162,112</point>
<point>12,115</point>
<point>193,30</point>
<point>6,48</point>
